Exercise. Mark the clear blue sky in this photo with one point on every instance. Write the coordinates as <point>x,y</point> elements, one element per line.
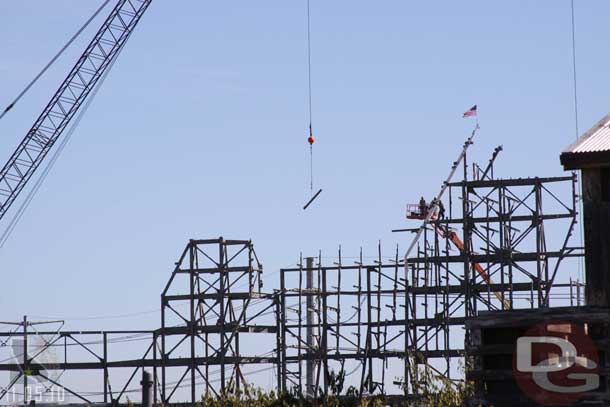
<point>200,131</point>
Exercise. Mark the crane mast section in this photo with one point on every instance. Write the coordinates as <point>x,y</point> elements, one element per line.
<point>66,102</point>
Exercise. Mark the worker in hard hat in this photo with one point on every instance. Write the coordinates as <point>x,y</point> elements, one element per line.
<point>441,210</point>
<point>422,206</point>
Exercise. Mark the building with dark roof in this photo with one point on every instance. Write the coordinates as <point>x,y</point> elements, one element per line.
<point>591,154</point>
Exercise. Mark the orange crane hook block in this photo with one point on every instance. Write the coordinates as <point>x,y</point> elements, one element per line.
<point>311,139</point>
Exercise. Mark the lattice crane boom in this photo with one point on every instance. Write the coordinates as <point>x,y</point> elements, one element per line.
<point>65,103</point>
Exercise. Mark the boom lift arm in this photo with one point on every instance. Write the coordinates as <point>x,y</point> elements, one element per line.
<point>65,103</point>
<point>422,211</point>
<point>444,232</point>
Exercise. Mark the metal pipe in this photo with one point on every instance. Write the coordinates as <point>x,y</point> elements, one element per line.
<point>147,386</point>
<point>309,367</point>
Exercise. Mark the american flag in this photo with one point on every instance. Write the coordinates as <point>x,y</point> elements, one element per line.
<point>470,112</point>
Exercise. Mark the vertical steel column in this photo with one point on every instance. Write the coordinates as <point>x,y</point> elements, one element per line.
<point>510,249</point>
<point>407,366</point>
<point>359,307</point>
<point>163,358</point>
<point>309,367</point>
<point>207,366</point>
<point>221,315</point>
<point>155,378</point>
<point>281,320</point>
<point>280,338</point>
<point>25,359</point>
<point>324,333</point>
<point>366,376</point>
<point>300,328</point>
<point>192,320</point>
<point>338,325</point>
<point>105,340</point>
<point>502,237</point>
<point>538,247</point>
<point>369,329</point>
<point>147,385</point>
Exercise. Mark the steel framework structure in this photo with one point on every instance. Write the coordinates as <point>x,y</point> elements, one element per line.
<point>372,322</point>
<point>490,252</point>
<point>205,326</point>
<point>208,310</point>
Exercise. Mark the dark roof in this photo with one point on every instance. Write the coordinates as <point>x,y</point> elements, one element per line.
<point>592,149</point>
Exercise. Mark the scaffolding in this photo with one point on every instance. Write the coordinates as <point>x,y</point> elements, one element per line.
<point>208,310</point>
<point>204,327</point>
<point>350,326</point>
<point>491,251</point>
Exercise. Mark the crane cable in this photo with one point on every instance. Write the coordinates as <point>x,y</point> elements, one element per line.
<point>53,60</point>
<point>574,70</point>
<point>310,139</point>
<point>576,129</point>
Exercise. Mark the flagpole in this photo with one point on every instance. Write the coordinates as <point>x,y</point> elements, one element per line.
<point>435,203</point>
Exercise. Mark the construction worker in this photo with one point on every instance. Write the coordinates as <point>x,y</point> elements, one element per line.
<point>441,210</point>
<point>422,206</point>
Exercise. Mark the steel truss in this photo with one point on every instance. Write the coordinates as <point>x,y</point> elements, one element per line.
<point>205,327</point>
<point>71,95</point>
<point>378,319</point>
<point>351,326</point>
<point>208,310</point>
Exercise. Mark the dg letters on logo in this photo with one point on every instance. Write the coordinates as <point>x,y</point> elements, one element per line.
<point>541,370</point>
<point>556,363</point>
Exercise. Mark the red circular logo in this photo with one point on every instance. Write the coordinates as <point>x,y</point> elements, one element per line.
<point>556,363</point>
